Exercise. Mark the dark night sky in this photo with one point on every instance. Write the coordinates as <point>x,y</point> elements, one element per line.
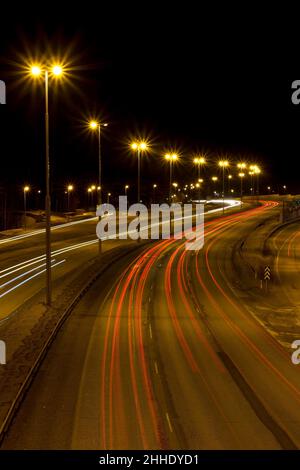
<point>185,79</point>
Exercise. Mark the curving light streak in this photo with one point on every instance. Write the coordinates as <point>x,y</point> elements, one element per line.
<point>23,274</point>
<point>29,279</point>
<point>42,230</point>
<point>24,264</point>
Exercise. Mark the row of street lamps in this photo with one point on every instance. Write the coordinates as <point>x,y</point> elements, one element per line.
<point>254,170</point>
<point>56,71</point>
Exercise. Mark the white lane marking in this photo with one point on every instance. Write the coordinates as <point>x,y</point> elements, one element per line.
<point>169,422</point>
<point>29,279</point>
<point>150,330</point>
<point>24,274</point>
<point>156,367</point>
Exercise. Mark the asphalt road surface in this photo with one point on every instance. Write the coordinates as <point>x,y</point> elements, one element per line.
<point>163,353</point>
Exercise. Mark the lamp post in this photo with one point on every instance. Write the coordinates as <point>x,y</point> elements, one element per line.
<point>139,147</point>
<point>229,181</point>
<point>214,179</point>
<point>126,189</point>
<point>96,126</point>
<point>89,192</point>
<point>93,189</point>
<point>69,190</point>
<point>154,191</point>
<point>223,164</point>
<point>251,174</point>
<point>171,158</point>
<point>257,172</point>
<point>26,189</point>
<point>108,196</point>
<point>199,161</point>
<point>38,71</point>
<point>241,175</point>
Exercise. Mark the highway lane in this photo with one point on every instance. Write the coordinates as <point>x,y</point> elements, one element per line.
<point>22,261</point>
<point>152,361</point>
<point>257,357</point>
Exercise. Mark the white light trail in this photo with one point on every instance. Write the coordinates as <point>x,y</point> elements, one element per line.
<point>29,279</point>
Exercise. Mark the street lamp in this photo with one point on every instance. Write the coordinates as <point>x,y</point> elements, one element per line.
<point>171,158</point>
<point>89,191</point>
<point>251,173</point>
<point>126,188</point>
<point>223,164</point>
<point>69,190</point>
<point>57,71</point>
<point>96,126</point>
<point>241,175</point>
<point>26,189</point>
<point>139,147</point>
<point>214,180</point>
<point>257,172</point>
<point>229,180</point>
<point>108,196</point>
<point>242,166</point>
<point>199,161</point>
<point>154,190</point>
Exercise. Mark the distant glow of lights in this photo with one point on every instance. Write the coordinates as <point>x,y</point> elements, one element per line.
<point>171,157</point>
<point>199,160</point>
<point>223,163</point>
<point>241,166</point>
<point>139,145</point>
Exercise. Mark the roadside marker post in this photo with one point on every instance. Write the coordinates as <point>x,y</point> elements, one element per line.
<point>267,275</point>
